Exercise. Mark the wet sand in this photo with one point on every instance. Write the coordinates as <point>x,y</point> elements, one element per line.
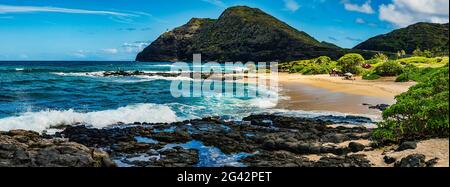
<point>310,98</point>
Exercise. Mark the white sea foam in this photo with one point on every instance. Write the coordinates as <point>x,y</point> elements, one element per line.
<point>40,121</point>
<point>81,74</point>
<point>157,77</point>
<point>19,69</point>
<point>264,103</point>
<point>160,65</point>
<point>141,78</point>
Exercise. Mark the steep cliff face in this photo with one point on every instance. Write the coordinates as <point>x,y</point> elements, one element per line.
<point>430,36</point>
<point>240,34</point>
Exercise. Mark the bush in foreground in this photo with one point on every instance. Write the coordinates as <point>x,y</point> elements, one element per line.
<point>420,113</point>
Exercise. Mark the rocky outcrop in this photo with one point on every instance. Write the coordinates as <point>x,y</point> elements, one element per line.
<point>29,149</point>
<point>240,34</point>
<point>266,140</point>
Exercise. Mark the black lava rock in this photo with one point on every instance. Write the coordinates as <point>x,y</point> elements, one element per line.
<point>432,162</point>
<point>415,160</point>
<point>356,147</point>
<point>389,160</point>
<point>381,107</point>
<point>406,146</point>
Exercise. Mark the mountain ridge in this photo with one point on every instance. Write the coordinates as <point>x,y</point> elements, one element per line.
<point>426,36</point>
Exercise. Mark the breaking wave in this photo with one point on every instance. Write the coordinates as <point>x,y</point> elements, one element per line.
<point>42,120</point>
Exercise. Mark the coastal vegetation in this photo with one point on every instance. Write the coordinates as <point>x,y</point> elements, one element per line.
<point>389,68</point>
<point>420,113</point>
<point>321,65</point>
<point>406,69</point>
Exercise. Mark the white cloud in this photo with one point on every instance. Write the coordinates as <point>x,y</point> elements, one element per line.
<point>110,51</point>
<point>364,8</point>
<point>360,21</point>
<point>291,5</point>
<point>218,3</point>
<point>4,9</point>
<point>135,46</point>
<point>402,13</point>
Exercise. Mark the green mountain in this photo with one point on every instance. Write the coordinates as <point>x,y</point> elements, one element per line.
<point>426,36</point>
<point>240,34</point>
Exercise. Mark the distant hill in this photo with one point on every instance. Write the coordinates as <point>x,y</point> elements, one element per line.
<point>426,36</point>
<point>331,45</point>
<point>240,34</point>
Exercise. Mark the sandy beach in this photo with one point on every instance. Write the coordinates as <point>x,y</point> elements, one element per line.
<point>385,87</point>
<point>327,93</point>
<point>323,92</point>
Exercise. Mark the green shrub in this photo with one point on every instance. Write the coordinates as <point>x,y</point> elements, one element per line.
<point>370,75</point>
<point>321,65</point>
<point>322,60</point>
<point>296,69</point>
<point>410,72</point>
<point>351,63</point>
<point>373,61</point>
<point>390,68</point>
<point>413,73</point>
<point>384,135</point>
<point>404,77</point>
<point>420,53</point>
<point>422,112</point>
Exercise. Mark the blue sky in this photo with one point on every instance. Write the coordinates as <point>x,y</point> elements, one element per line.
<point>118,29</point>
